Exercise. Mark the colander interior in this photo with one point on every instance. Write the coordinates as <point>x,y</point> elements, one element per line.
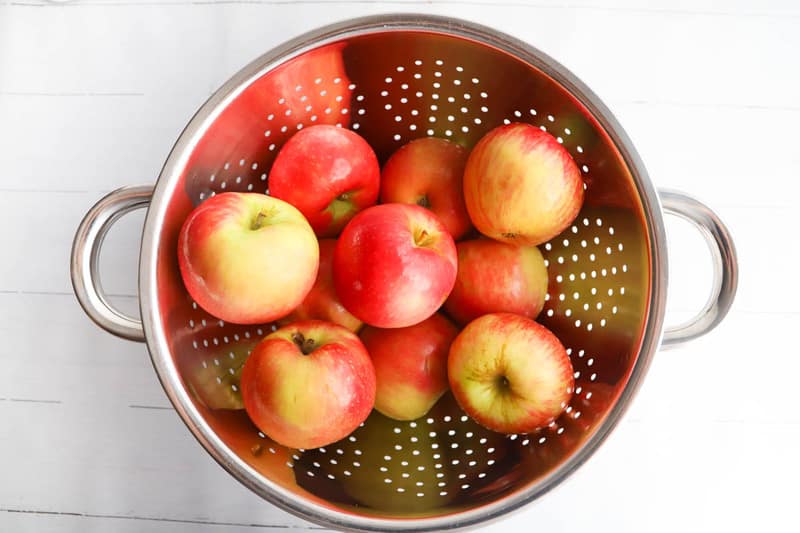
<point>392,87</point>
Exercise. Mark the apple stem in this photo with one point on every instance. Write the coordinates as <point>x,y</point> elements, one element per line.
<point>258,222</point>
<point>424,202</point>
<point>306,345</point>
<point>423,238</point>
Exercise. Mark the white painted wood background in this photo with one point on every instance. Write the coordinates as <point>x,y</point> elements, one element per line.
<point>93,94</point>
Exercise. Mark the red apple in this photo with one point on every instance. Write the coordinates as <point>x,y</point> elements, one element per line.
<point>521,186</point>
<point>410,365</point>
<point>329,174</point>
<point>495,277</point>
<point>509,373</point>
<point>429,172</point>
<point>322,302</point>
<point>308,384</point>
<point>394,265</point>
<point>247,258</point>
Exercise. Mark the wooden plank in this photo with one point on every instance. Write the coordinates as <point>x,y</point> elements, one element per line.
<point>106,459</point>
<point>67,360</point>
<point>48,239</point>
<point>680,57</point>
<point>93,94</point>
<point>692,476</point>
<point>722,154</point>
<point>53,353</point>
<point>100,418</point>
<point>678,440</point>
<point>664,7</point>
<point>104,143</point>
<point>53,521</point>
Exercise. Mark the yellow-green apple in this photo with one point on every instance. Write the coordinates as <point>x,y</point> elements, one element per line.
<point>509,373</point>
<point>429,172</point>
<point>247,258</point>
<point>308,384</point>
<point>321,303</point>
<point>521,186</point>
<point>394,265</point>
<point>215,378</point>
<point>410,365</point>
<point>404,453</point>
<point>496,277</point>
<point>432,462</point>
<point>329,174</point>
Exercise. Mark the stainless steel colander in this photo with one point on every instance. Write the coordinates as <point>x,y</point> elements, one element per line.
<point>394,79</point>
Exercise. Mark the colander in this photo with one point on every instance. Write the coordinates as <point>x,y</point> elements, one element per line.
<point>393,79</point>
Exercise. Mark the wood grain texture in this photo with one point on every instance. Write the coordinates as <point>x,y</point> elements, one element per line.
<point>94,93</point>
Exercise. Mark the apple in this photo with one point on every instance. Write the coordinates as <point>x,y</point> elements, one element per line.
<point>410,365</point>
<point>247,258</point>
<point>521,186</point>
<point>308,384</point>
<point>509,373</point>
<point>496,277</point>
<point>429,172</point>
<point>321,303</point>
<point>394,265</point>
<point>410,455</point>
<point>215,378</point>
<point>329,174</point>
<point>430,463</point>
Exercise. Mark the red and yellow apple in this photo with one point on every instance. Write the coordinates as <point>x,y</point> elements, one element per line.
<point>308,384</point>
<point>429,172</point>
<point>247,258</point>
<point>509,373</point>
<point>322,302</point>
<point>521,186</point>
<point>495,277</point>
<point>394,265</point>
<point>410,365</point>
<point>329,174</point>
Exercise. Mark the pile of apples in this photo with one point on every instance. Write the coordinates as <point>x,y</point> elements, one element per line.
<point>391,286</point>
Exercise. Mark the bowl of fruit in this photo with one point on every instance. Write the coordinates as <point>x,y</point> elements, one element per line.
<point>402,273</point>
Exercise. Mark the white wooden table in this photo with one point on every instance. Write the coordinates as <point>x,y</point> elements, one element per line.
<point>93,94</point>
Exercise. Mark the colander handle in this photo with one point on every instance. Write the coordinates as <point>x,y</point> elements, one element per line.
<point>726,268</point>
<point>86,254</point>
